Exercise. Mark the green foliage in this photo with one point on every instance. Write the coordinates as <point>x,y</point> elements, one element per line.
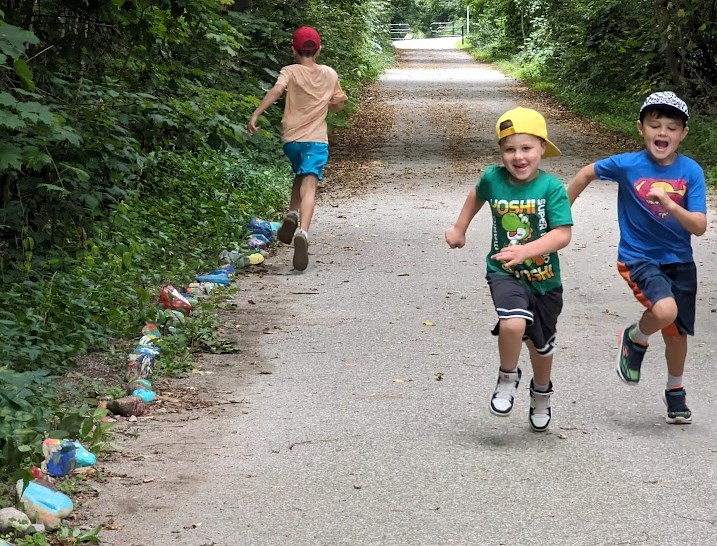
<point>602,57</point>
<point>126,166</point>
<point>421,13</point>
<point>37,539</point>
<point>193,207</point>
<point>26,411</point>
<point>31,409</point>
<point>75,535</point>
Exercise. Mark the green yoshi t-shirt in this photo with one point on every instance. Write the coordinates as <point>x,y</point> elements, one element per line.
<point>524,213</point>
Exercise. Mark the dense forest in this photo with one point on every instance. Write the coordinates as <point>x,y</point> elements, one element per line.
<point>125,163</point>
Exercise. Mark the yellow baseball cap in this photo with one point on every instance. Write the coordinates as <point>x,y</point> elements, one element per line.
<point>528,121</point>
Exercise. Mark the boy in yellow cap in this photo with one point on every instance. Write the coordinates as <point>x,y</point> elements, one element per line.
<point>312,90</point>
<point>531,222</point>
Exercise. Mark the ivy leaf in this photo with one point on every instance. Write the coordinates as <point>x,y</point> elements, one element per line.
<point>34,157</point>
<point>35,112</point>
<point>10,120</point>
<point>53,187</point>
<point>13,40</point>
<point>81,174</point>
<point>6,99</point>
<point>69,135</point>
<point>24,73</point>
<point>10,157</point>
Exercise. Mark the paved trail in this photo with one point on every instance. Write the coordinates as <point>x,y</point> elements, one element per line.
<point>364,407</point>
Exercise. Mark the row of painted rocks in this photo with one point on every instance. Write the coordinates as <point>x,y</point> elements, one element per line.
<point>43,506</point>
<point>177,305</point>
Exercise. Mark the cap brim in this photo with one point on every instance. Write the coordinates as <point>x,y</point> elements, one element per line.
<point>676,110</point>
<point>551,150</point>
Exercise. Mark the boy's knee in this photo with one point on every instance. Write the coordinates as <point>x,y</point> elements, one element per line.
<point>665,310</point>
<point>514,325</point>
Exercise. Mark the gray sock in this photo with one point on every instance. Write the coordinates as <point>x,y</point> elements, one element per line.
<point>540,388</point>
<point>674,381</point>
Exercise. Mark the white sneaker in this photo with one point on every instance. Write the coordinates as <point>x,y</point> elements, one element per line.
<point>501,402</point>
<point>539,416</point>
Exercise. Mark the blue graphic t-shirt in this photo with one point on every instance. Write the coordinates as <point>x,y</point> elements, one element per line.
<point>648,233</point>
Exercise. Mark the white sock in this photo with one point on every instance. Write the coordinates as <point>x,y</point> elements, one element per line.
<point>638,336</point>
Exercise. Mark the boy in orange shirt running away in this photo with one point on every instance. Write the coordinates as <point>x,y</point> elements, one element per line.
<point>312,90</point>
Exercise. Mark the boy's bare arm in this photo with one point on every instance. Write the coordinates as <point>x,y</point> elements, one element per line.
<point>552,241</point>
<point>336,106</point>
<point>694,222</point>
<point>456,234</point>
<point>581,181</point>
<point>273,95</point>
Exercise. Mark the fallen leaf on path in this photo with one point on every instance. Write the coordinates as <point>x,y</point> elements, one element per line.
<point>428,323</point>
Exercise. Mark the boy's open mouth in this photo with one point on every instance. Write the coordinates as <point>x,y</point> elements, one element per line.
<point>661,144</point>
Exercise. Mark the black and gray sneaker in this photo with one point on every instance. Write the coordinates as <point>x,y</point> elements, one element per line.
<point>629,357</point>
<point>501,403</point>
<point>677,411</point>
<point>288,227</point>
<point>540,414</point>
<point>301,251</point>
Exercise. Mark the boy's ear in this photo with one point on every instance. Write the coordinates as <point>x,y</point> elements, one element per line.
<point>639,127</point>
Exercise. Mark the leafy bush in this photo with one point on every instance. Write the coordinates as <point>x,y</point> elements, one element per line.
<point>126,166</point>
<point>193,207</point>
<point>26,402</point>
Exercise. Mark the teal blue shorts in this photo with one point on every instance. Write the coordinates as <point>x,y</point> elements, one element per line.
<point>307,157</point>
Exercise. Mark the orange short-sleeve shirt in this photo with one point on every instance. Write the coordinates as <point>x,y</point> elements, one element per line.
<point>309,91</point>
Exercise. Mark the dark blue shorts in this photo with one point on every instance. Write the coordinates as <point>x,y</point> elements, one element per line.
<point>651,283</point>
<point>512,299</point>
<point>307,157</point>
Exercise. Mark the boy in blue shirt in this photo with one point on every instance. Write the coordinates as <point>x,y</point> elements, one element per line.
<point>661,203</point>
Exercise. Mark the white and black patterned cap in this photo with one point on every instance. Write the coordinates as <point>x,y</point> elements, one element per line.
<point>666,98</point>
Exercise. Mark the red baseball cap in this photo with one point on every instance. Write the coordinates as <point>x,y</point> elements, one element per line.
<point>306,39</point>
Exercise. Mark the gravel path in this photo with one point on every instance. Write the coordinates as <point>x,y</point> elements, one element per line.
<point>358,412</point>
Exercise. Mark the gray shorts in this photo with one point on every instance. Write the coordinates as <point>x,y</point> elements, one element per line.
<point>514,300</point>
